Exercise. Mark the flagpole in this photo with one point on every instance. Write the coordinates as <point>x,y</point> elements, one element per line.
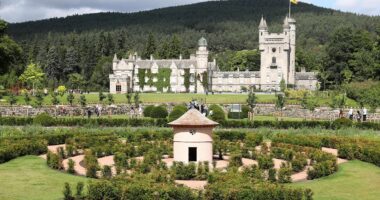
<point>290,7</point>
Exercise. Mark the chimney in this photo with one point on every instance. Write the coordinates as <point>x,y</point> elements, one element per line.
<point>180,56</point>
<point>303,69</point>
<point>151,57</point>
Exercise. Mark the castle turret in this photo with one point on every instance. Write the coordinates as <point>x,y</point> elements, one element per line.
<point>263,31</point>
<point>292,52</point>
<point>202,61</point>
<point>115,62</point>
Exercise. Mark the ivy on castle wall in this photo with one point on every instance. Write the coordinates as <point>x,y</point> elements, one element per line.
<point>186,79</point>
<point>141,77</point>
<point>150,77</point>
<point>163,79</point>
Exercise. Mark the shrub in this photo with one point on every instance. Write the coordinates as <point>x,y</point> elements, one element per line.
<point>322,169</point>
<point>159,112</point>
<point>265,162</point>
<point>67,194</point>
<point>177,112</point>
<point>235,160</point>
<point>299,162</point>
<point>79,192</point>
<point>54,161</point>
<point>184,172</point>
<point>342,123</point>
<point>272,175</point>
<point>253,140</point>
<point>284,174</point>
<point>148,110</point>
<point>218,114</point>
<point>71,165</point>
<point>107,172</point>
<point>44,119</point>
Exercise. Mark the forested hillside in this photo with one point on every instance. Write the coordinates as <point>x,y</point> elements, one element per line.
<point>83,45</point>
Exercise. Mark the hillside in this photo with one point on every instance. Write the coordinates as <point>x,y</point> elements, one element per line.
<point>85,44</point>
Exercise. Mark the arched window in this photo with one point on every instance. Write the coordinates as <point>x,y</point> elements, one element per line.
<point>273,60</point>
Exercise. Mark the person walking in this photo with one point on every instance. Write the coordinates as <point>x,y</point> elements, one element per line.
<point>358,116</point>
<point>351,113</point>
<point>364,114</point>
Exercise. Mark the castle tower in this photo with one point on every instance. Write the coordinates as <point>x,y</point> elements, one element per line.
<point>277,52</point>
<point>292,51</point>
<point>202,62</point>
<point>193,138</point>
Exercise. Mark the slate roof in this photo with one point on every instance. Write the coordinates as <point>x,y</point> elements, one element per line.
<point>182,64</point>
<point>193,118</point>
<point>306,76</point>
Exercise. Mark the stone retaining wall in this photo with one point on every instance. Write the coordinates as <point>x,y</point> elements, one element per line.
<point>294,111</point>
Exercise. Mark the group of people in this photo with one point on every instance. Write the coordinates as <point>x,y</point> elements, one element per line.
<point>98,111</point>
<point>202,108</point>
<point>359,116</point>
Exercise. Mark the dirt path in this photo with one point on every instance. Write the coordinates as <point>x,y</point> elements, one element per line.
<point>197,185</point>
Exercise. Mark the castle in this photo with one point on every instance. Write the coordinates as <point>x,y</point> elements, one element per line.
<point>198,75</point>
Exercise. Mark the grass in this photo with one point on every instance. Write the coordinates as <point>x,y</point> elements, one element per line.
<point>354,180</point>
<point>93,98</point>
<point>29,178</point>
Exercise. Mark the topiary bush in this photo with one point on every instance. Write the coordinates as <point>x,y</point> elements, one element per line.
<point>177,112</point>
<point>44,119</point>
<point>217,113</point>
<point>148,110</point>
<point>159,112</point>
<point>342,123</point>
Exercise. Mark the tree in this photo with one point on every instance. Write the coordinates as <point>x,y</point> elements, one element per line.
<point>61,90</point>
<point>76,80</point>
<point>280,101</point>
<point>137,99</point>
<point>53,66</point>
<point>71,61</point>
<point>12,99</point>
<point>83,100</point>
<point>174,47</point>
<point>282,85</point>
<point>70,98</point>
<point>54,98</point>
<point>110,99</point>
<point>32,75</point>
<point>10,51</point>
<point>252,100</point>
<point>39,98</point>
<point>129,98</point>
<point>101,96</point>
<point>26,98</point>
<point>150,47</point>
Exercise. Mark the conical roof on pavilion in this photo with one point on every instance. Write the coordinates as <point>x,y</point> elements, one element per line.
<point>193,118</point>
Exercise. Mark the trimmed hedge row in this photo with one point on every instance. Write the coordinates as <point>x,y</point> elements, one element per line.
<point>133,122</point>
<point>296,124</point>
<point>348,148</point>
<point>10,149</point>
<point>137,122</point>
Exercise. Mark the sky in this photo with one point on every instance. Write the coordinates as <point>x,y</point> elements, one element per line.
<point>26,10</point>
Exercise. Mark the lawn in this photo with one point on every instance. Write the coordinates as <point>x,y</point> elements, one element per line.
<point>29,178</point>
<point>354,180</point>
<point>93,98</point>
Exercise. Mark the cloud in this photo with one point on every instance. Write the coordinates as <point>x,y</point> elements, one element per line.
<point>370,7</point>
<point>25,10</point>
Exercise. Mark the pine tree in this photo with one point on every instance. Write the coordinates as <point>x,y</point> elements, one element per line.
<point>53,68</point>
<point>175,47</point>
<point>71,61</point>
<point>150,47</point>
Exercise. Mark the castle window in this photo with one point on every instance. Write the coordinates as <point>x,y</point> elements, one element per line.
<point>273,60</point>
<point>118,88</point>
<point>274,50</point>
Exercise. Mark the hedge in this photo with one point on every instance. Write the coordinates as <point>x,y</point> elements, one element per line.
<point>10,149</point>
<point>138,122</point>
